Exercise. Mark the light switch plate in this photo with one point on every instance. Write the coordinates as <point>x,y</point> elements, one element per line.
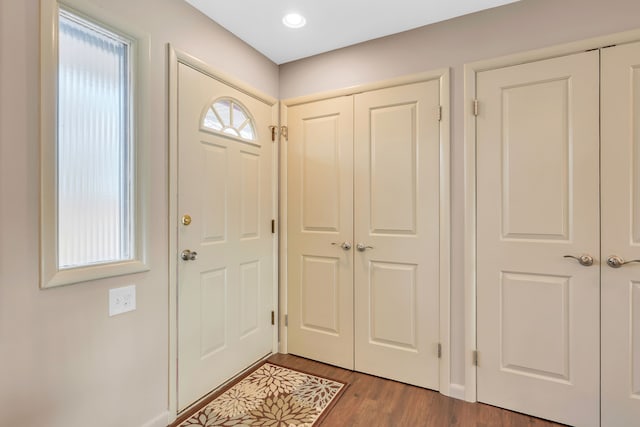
<point>122,300</point>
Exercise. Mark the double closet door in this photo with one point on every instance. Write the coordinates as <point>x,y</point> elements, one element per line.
<point>363,181</point>
<point>558,214</point>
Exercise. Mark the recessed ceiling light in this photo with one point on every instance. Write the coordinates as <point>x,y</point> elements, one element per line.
<point>294,20</point>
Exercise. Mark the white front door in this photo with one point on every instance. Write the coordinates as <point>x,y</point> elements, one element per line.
<point>621,235</point>
<point>225,292</point>
<point>538,313</point>
<point>397,239</point>
<point>320,231</point>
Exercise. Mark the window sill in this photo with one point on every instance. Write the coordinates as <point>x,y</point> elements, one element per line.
<point>94,272</point>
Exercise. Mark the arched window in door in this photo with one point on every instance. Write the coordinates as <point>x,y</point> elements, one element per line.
<point>228,116</point>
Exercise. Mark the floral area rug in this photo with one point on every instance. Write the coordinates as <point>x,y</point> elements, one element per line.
<point>270,396</point>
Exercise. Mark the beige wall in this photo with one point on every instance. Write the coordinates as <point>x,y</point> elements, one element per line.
<point>526,25</point>
<point>63,361</point>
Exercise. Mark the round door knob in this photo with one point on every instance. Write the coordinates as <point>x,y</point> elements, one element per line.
<point>186,219</point>
<point>188,255</point>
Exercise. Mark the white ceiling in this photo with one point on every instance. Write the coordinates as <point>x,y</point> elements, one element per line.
<point>331,24</point>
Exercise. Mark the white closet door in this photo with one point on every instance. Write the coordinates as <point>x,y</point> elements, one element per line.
<point>397,155</point>
<point>224,185</point>
<point>537,201</point>
<point>621,235</point>
<point>320,221</point>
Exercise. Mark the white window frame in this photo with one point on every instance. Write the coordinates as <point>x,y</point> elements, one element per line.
<point>50,274</point>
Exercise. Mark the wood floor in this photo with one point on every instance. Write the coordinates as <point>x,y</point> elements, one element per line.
<point>371,401</point>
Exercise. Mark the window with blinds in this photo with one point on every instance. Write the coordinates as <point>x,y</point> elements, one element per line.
<point>94,144</point>
<point>95,180</point>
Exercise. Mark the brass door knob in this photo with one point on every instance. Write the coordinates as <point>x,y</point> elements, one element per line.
<point>186,219</point>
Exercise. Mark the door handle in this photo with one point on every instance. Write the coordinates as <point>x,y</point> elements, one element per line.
<point>362,247</point>
<point>344,245</point>
<point>614,261</point>
<point>188,255</point>
<point>583,259</point>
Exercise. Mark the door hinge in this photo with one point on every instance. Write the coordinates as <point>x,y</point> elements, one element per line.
<point>274,131</point>
<point>273,226</point>
<point>475,357</point>
<point>439,351</point>
<point>476,107</point>
<point>440,113</point>
<point>284,131</point>
<point>286,320</point>
<point>273,317</point>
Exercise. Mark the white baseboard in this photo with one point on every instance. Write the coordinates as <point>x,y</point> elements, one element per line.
<point>161,420</point>
<point>456,391</point>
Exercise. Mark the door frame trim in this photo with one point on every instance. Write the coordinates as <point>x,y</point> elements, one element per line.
<point>443,75</point>
<point>470,74</point>
<point>176,57</point>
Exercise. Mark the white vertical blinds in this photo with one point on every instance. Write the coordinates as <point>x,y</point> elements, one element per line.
<point>94,160</point>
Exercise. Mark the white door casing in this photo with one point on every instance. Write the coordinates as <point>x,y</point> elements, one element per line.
<point>320,220</point>
<point>225,295</point>
<point>620,196</point>
<point>397,187</point>
<point>537,201</point>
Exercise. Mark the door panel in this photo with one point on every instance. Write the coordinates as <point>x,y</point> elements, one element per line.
<point>225,295</point>
<point>320,155</point>
<point>250,310</point>
<point>397,154</point>
<point>530,304</point>
<point>537,200</point>
<point>320,219</point>
<point>392,290</point>
<point>536,173</point>
<point>250,165</point>
<point>213,291</point>
<point>393,169</point>
<point>214,192</point>
<point>320,294</point>
<point>621,235</point>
